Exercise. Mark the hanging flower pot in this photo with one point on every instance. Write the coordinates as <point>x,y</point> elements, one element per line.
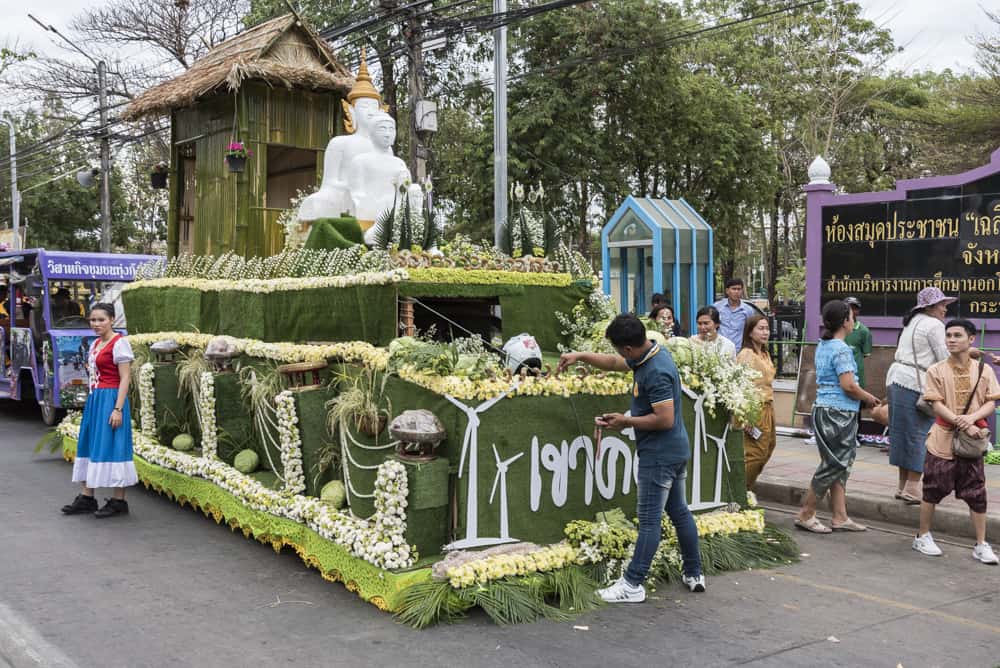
<point>158,177</point>
<point>236,156</point>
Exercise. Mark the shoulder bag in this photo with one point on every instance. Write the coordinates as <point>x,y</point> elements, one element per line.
<point>963,445</point>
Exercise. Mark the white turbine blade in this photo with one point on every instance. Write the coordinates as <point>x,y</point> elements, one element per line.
<point>496,481</point>
<point>513,459</point>
<point>496,454</point>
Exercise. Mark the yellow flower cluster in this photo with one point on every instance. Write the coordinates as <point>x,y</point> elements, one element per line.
<point>504,565</point>
<point>489,277</point>
<point>565,385</point>
<point>351,351</point>
<point>723,524</point>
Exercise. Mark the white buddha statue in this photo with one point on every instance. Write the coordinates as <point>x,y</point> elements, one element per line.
<point>333,198</point>
<point>376,177</point>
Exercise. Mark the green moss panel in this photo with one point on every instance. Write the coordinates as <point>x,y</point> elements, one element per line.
<point>533,311</point>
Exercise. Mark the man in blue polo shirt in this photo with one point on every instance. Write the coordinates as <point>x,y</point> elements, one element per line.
<point>662,446</point>
<point>733,312</point>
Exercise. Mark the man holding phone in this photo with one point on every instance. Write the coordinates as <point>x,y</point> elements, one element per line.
<point>662,446</point>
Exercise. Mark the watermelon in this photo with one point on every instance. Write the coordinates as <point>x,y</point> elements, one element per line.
<point>334,493</point>
<point>246,461</point>
<point>183,442</point>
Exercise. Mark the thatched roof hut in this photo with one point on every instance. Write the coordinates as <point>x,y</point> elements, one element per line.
<point>278,90</point>
<point>282,52</point>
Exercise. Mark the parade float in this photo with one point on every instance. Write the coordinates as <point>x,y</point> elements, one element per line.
<point>382,400</point>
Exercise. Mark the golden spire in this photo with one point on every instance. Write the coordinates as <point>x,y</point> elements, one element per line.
<point>363,85</point>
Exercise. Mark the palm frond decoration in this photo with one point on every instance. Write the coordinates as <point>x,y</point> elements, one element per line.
<point>427,603</point>
<point>52,440</point>
<point>383,228</point>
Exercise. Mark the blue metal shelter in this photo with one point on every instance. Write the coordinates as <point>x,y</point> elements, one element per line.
<point>658,245</point>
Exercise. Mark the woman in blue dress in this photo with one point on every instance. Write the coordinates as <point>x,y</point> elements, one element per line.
<point>104,446</point>
<point>835,421</point>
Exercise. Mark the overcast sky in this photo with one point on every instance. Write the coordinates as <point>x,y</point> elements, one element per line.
<point>934,33</point>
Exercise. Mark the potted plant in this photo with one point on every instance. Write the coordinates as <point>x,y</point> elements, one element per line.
<point>236,156</point>
<point>158,177</point>
<point>358,405</point>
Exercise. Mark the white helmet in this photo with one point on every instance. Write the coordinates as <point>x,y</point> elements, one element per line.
<point>522,350</point>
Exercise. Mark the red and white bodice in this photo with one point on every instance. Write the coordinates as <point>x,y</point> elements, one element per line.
<point>103,364</point>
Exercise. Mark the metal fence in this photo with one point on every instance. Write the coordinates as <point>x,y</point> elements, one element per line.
<point>787,337</point>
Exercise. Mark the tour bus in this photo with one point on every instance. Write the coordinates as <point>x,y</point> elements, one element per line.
<point>44,332</point>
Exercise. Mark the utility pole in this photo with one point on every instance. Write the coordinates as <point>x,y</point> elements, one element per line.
<point>417,158</point>
<point>102,85</point>
<point>499,124</point>
<point>15,195</point>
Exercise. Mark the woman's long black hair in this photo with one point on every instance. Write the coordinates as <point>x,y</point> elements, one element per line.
<point>835,314</point>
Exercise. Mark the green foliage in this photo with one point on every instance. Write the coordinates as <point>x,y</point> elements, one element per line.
<point>189,370</point>
<point>557,595</point>
<point>791,285</point>
<point>360,401</point>
<point>52,440</point>
<point>259,385</point>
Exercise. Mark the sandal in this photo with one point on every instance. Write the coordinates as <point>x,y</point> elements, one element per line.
<point>849,525</point>
<point>908,498</point>
<point>813,525</point>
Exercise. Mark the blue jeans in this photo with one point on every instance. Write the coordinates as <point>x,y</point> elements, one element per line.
<point>659,485</point>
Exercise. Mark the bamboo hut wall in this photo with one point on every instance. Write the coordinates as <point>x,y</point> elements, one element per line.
<point>230,213</point>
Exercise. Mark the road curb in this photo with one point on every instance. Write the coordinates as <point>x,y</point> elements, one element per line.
<point>21,646</point>
<point>950,520</point>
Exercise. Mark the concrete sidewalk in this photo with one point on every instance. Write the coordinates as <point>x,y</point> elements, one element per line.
<point>870,489</point>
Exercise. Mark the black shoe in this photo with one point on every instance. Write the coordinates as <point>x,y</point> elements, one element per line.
<point>111,508</point>
<point>81,504</point>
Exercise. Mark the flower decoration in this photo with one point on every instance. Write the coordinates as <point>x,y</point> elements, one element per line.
<point>290,442</point>
<point>495,567</point>
<point>147,398</point>
<point>206,411</point>
<point>238,149</point>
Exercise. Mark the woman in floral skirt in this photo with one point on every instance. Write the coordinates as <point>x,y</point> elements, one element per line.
<point>104,446</point>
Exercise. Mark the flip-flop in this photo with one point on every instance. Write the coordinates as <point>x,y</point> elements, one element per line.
<point>908,498</point>
<point>849,525</point>
<point>813,525</point>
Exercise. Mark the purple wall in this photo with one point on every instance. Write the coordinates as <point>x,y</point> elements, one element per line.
<point>885,330</point>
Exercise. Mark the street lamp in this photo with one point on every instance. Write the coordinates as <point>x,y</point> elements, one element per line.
<point>102,86</point>
<point>15,195</point>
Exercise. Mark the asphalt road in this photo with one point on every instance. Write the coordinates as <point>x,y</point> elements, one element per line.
<point>167,587</point>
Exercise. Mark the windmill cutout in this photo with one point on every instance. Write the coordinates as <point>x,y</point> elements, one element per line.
<point>501,480</point>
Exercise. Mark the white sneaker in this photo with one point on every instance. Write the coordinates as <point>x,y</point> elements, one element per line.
<point>984,553</point>
<point>811,441</point>
<point>925,545</point>
<point>622,592</point>
<point>694,584</point>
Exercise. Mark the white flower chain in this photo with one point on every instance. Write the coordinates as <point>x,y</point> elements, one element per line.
<point>206,411</point>
<point>290,443</point>
<point>147,399</point>
<point>269,285</point>
<point>380,541</point>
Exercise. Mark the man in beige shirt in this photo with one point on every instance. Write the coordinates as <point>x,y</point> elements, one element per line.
<point>949,385</point>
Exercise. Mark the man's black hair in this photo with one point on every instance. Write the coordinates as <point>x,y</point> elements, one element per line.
<point>733,282</point>
<point>967,325</point>
<point>658,298</point>
<point>626,330</point>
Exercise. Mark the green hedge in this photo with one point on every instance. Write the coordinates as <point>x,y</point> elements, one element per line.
<point>357,313</point>
<point>533,311</point>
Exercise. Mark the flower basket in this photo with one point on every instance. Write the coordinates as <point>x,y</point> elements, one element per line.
<point>158,177</point>
<point>236,156</point>
<point>236,164</point>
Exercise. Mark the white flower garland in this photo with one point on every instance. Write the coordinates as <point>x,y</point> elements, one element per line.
<point>379,541</point>
<point>269,285</point>
<point>206,411</point>
<point>349,351</point>
<point>147,399</point>
<point>290,443</point>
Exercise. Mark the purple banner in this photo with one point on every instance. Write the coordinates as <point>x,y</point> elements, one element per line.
<point>92,266</point>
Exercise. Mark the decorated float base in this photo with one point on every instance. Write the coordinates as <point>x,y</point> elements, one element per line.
<point>515,583</point>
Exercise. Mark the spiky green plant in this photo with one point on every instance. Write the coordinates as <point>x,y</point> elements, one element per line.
<point>189,370</point>
<point>360,400</point>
